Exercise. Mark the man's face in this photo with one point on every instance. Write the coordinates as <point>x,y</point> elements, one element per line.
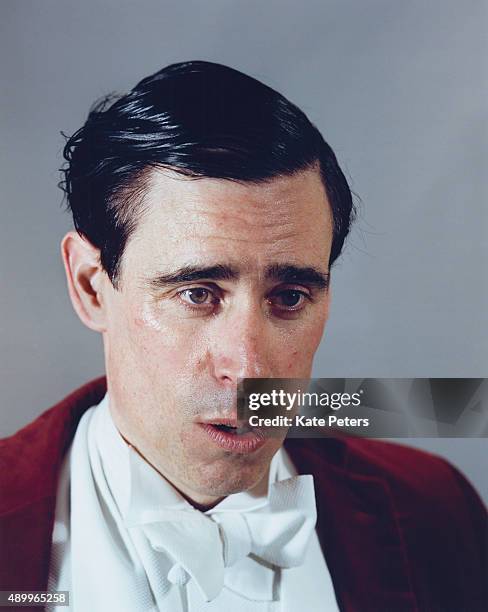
<point>220,281</point>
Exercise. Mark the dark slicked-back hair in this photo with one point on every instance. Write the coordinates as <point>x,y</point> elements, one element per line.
<point>199,119</point>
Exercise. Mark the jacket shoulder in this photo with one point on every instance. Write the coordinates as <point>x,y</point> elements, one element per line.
<point>406,468</point>
<point>30,458</point>
<point>420,483</point>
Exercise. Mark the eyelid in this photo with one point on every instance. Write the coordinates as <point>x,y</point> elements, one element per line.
<point>212,287</point>
<point>292,287</point>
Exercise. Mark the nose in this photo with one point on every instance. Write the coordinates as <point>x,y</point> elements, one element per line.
<point>241,347</point>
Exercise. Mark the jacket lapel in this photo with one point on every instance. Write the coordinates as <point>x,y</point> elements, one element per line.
<point>29,468</point>
<point>359,530</point>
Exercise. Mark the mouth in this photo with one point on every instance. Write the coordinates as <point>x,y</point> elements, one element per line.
<point>232,435</point>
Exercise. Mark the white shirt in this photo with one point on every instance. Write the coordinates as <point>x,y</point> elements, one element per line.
<point>103,555</point>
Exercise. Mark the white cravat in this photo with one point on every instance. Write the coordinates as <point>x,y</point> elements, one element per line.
<point>133,543</point>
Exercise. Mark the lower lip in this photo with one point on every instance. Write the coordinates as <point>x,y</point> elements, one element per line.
<point>243,443</point>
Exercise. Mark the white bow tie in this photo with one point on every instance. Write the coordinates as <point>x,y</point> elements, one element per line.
<point>202,546</point>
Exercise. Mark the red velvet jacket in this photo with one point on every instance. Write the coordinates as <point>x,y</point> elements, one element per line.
<point>401,530</point>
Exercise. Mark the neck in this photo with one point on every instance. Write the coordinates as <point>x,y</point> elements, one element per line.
<point>199,502</point>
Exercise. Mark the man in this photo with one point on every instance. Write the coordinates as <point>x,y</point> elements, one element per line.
<point>209,212</point>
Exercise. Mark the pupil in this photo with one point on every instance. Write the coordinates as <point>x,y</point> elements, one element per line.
<point>291,298</point>
<point>198,296</point>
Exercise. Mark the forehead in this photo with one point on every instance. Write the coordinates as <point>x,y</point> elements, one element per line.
<point>189,221</point>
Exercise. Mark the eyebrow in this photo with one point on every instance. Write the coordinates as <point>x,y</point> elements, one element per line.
<point>286,273</point>
<point>189,274</point>
<point>289,273</point>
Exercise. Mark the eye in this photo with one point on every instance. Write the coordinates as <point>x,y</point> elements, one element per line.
<point>198,296</point>
<point>289,299</point>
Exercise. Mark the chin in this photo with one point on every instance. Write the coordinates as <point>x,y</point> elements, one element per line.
<point>223,481</point>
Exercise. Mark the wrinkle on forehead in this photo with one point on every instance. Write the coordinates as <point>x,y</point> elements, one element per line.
<point>220,219</point>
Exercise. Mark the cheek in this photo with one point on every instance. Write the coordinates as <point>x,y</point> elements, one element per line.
<point>168,350</point>
<point>304,345</point>
<point>299,362</point>
<point>160,347</point>
<point>292,362</point>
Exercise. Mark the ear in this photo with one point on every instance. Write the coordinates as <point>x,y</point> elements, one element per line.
<point>87,280</point>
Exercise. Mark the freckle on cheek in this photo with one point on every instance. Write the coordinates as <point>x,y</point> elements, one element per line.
<point>293,361</point>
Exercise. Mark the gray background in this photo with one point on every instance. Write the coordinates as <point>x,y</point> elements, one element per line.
<point>398,88</point>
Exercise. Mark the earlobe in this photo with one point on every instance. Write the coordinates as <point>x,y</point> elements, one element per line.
<point>85,276</point>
